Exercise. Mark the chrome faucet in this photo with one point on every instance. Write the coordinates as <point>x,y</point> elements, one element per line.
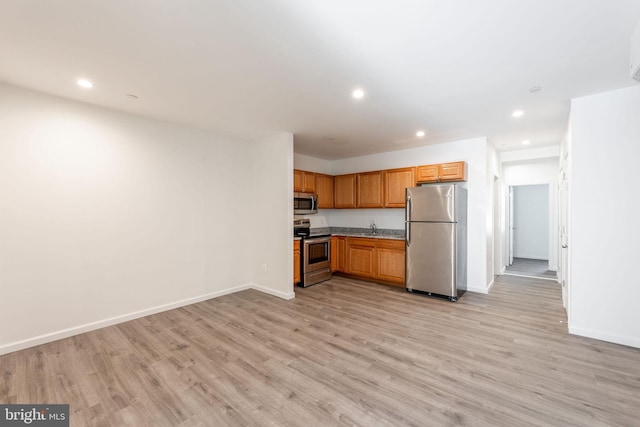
<point>374,229</point>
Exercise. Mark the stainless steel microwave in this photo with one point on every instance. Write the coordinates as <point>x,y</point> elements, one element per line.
<point>305,203</point>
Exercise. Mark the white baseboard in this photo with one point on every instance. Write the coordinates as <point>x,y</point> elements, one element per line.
<point>279,294</point>
<point>604,336</point>
<point>478,290</point>
<point>92,326</point>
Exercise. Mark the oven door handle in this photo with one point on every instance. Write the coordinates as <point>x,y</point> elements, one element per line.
<point>316,240</point>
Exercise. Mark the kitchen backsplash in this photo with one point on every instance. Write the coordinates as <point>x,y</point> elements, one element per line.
<point>392,219</point>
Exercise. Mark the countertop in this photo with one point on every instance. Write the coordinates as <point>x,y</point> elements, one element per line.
<point>360,232</point>
<point>370,236</point>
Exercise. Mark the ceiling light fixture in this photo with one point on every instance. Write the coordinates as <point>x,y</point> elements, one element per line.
<point>84,83</point>
<point>517,113</point>
<point>420,133</point>
<point>526,142</point>
<point>358,94</point>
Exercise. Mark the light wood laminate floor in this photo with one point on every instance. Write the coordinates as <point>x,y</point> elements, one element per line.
<point>342,352</point>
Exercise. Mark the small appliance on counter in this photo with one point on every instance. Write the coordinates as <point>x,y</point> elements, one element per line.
<point>316,253</point>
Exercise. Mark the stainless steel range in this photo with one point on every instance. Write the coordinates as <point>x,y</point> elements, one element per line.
<point>316,253</point>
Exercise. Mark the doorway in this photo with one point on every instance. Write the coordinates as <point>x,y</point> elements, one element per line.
<point>529,231</point>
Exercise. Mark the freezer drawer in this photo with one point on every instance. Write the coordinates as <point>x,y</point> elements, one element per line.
<point>431,258</point>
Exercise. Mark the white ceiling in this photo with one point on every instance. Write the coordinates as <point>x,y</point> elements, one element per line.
<point>252,68</point>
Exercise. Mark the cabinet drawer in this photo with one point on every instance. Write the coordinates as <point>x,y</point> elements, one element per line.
<point>390,244</point>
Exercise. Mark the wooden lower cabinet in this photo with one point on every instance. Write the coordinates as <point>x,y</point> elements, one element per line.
<point>361,259</point>
<point>334,253</point>
<point>296,262</point>
<point>339,254</point>
<point>370,259</point>
<point>390,260</point>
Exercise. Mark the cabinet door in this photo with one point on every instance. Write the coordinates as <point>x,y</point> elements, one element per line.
<point>296,262</point>
<point>361,257</point>
<point>342,255</point>
<point>427,173</point>
<point>455,171</point>
<point>370,190</point>
<point>303,181</point>
<point>390,260</point>
<point>297,180</point>
<point>334,253</point>
<point>344,187</point>
<point>396,181</point>
<point>324,189</point>
<point>308,182</point>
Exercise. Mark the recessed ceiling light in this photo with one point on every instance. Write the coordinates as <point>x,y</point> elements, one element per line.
<point>358,93</point>
<point>517,113</point>
<point>534,89</point>
<point>526,142</point>
<point>84,83</point>
<point>420,133</point>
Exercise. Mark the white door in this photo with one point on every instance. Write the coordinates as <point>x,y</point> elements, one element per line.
<point>563,231</point>
<point>511,227</point>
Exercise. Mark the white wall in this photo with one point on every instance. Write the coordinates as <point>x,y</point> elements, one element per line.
<point>105,216</point>
<point>531,221</point>
<point>493,206</point>
<point>605,206</point>
<point>312,164</point>
<point>473,151</point>
<point>272,213</point>
<point>534,172</point>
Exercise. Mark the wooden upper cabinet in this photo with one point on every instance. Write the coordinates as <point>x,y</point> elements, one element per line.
<point>370,190</point>
<point>454,171</point>
<point>297,180</point>
<point>396,181</point>
<point>324,189</point>
<point>428,173</point>
<point>303,181</point>
<point>344,187</point>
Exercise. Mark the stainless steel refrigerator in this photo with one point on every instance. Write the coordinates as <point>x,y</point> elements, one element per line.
<point>436,240</point>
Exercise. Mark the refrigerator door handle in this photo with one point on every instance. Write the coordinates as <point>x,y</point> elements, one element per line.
<point>407,233</point>
<point>407,223</point>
